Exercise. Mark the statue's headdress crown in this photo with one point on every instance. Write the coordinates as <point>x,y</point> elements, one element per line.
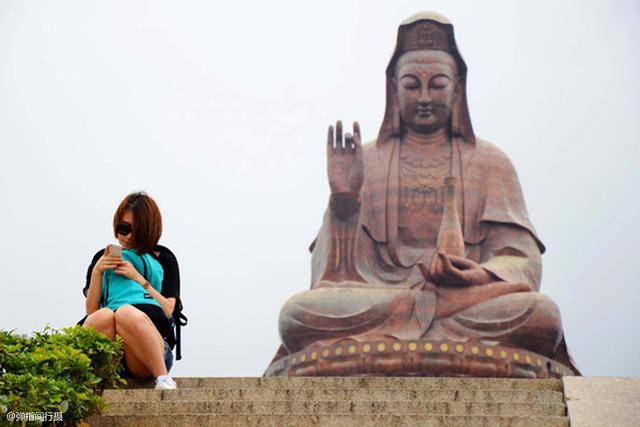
<point>424,35</point>
<point>427,31</point>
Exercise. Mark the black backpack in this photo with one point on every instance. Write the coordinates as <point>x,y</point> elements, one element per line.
<point>180,320</point>
<point>178,317</point>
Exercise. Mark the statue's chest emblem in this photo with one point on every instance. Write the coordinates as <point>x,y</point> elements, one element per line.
<point>422,182</point>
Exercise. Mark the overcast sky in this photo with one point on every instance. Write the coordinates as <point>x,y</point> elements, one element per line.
<point>220,114</point>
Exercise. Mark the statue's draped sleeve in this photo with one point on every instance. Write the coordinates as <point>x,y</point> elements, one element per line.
<point>319,249</point>
<point>498,232</point>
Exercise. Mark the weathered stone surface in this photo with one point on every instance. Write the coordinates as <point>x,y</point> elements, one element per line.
<point>197,420</point>
<point>603,401</point>
<point>355,395</point>
<point>334,407</point>
<point>597,389</point>
<point>339,401</point>
<point>402,383</point>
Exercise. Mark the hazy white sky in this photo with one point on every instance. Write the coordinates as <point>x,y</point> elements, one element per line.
<point>220,113</point>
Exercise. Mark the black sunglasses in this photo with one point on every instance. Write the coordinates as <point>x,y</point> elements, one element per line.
<point>124,229</point>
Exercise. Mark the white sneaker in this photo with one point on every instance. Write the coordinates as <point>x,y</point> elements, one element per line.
<point>165,382</point>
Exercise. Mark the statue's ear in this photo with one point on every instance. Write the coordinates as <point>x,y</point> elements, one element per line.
<point>457,90</point>
<point>394,87</point>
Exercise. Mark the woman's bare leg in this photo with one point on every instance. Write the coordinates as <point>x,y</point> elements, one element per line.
<point>143,344</point>
<point>136,366</point>
<point>103,321</point>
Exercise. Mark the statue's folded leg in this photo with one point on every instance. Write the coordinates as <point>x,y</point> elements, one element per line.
<point>527,320</point>
<point>337,312</point>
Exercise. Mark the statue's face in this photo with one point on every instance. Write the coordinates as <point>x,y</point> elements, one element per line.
<point>427,88</point>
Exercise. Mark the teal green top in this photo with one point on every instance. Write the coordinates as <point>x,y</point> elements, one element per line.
<point>117,290</point>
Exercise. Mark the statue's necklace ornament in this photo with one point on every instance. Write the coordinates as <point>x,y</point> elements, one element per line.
<point>423,180</point>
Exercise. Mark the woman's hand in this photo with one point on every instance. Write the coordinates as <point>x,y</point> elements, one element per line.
<point>126,269</point>
<point>106,262</point>
<point>455,271</point>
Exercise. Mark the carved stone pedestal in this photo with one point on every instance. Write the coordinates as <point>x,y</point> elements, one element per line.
<point>430,358</point>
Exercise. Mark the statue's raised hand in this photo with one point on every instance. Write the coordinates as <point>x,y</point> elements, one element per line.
<point>345,164</point>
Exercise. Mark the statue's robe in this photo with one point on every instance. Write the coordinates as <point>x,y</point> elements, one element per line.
<point>397,301</point>
<point>494,219</point>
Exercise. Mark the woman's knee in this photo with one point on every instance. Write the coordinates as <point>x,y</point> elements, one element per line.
<point>127,314</point>
<point>100,319</point>
<point>129,317</point>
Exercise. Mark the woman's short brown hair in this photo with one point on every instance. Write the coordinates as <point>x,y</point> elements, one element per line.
<point>147,226</point>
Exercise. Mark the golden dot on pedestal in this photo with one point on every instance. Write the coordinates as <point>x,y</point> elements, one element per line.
<point>366,348</point>
<point>459,348</point>
<point>538,362</point>
<point>382,347</point>
<point>428,346</point>
<point>325,352</point>
<point>352,349</point>
<point>293,360</point>
<point>314,355</point>
<point>475,350</point>
<point>303,357</point>
<point>516,356</point>
<point>444,347</point>
<point>338,351</point>
<point>397,346</point>
<point>503,353</point>
<point>488,351</point>
<point>558,369</point>
<point>413,346</point>
<point>527,358</point>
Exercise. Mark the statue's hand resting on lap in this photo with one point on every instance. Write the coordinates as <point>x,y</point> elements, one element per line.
<point>455,272</point>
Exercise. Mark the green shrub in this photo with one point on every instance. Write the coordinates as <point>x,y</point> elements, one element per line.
<point>57,371</point>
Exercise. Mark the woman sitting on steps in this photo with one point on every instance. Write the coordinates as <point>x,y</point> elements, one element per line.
<point>133,295</point>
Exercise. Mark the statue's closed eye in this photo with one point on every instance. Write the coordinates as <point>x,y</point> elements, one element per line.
<point>440,82</point>
<point>409,82</point>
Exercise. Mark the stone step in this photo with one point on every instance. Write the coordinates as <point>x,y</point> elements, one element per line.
<point>316,394</point>
<point>403,383</point>
<point>222,407</point>
<point>199,420</point>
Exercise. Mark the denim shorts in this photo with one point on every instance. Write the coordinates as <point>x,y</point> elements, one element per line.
<point>168,356</point>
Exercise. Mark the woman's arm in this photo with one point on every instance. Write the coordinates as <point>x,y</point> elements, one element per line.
<point>167,303</point>
<point>95,282</point>
<point>94,276</point>
<point>95,290</point>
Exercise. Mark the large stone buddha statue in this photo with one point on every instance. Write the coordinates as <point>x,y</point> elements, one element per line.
<point>426,262</point>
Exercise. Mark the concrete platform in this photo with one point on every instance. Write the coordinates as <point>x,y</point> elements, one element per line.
<point>603,401</point>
